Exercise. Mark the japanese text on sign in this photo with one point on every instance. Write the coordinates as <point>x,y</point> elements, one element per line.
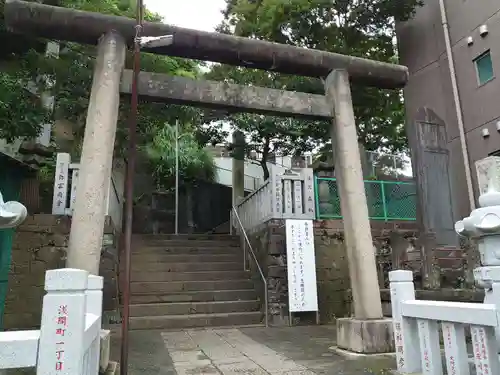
<point>399,345</point>
<point>484,344</point>
<point>60,184</point>
<point>62,323</point>
<point>301,266</point>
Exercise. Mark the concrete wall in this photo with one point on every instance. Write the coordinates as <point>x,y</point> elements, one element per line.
<point>40,244</point>
<point>253,171</point>
<point>334,297</point>
<point>422,48</point>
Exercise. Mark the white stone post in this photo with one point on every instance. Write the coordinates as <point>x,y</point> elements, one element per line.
<point>63,322</point>
<point>87,225</point>
<point>430,352</point>
<point>405,330</point>
<point>485,350</point>
<point>455,347</point>
<point>94,306</point>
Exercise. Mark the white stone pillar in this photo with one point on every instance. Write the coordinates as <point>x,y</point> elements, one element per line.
<point>358,238</point>
<point>97,156</point>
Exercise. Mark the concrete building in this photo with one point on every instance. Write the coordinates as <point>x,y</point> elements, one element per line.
<point>471,113</point>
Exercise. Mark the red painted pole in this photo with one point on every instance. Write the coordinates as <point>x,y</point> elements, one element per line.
<point>129,190</point>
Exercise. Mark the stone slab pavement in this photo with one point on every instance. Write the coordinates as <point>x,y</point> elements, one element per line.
<point>254,350</point>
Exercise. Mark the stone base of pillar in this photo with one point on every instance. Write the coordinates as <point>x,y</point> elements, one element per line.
<point>365,336</point>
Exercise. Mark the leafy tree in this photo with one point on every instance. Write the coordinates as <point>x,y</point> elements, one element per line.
<point>268,135</point>
<point>72,73</point>
<point>21,113</point>
<point>195,162</point>
<point>363,28</point>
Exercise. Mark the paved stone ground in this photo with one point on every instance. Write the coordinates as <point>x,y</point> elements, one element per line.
<point>256,350</point>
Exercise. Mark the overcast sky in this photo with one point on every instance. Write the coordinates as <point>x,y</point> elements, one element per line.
<point>193,14</point>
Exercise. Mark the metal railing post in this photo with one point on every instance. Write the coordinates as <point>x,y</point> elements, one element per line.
<point>246,241</point>
<point>244,256</point>
<point>266,303</point>
<point>384,203</point>
<point>316,197</point>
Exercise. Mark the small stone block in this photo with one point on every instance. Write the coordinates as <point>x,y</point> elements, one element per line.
<point>488,174</point>
<point>491,273</point>
<point>66,279</point>
<point>400,275</point>
<point>104,350</point>
<point>365,336</point>
<point>112,369</point>
<point>95,282</point>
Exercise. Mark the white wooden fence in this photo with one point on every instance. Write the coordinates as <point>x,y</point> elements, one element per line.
<point>282,196</point>
<point>417,332</point>
<point>68,342</point>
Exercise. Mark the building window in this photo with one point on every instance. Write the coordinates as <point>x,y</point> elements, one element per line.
<point>484,68</point>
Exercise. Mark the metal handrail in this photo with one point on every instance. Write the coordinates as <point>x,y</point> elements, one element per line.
<point>247,198</point>
<point>264,280</point>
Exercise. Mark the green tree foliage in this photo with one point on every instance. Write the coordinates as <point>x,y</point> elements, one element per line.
<point>363,28</point>
<point>268,135</point>
<point>21,113</point>
<point>195,162</point>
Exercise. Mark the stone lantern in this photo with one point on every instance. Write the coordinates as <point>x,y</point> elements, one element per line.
<point>12,213</point>
<point>483,225</point>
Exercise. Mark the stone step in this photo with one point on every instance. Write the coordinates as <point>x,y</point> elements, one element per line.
<point>185,258</point>
<point>179,250</point>
<point>196,320</point>
<point>187,267</point>
<point>161,287</point>
<point>196,296</point>
<point>186,308</point>
<point>187,243</point>
<point>185,237</point>
<point>188,276</point>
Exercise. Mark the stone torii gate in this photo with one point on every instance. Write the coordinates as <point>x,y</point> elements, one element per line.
<point>366,331</point>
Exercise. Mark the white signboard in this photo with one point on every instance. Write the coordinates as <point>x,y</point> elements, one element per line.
<point>74,182</point>
<point>61,184</point>
<point>301,266</point>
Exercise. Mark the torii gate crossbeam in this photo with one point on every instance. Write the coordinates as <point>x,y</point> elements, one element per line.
<point>87,27</point>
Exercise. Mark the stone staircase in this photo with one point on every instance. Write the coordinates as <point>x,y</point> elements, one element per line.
<point>188,281</point>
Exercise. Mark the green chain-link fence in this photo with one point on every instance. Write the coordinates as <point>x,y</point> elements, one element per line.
<point>387,200</point>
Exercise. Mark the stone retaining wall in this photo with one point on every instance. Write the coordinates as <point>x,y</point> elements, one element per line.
<point>40,244</point>
<point>334,297</point>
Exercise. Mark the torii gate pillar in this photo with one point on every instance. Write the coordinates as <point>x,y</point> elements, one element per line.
<point>367,331</point>
<point>87,226</point>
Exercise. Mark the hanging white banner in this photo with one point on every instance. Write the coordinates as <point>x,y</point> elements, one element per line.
<point>301,266</point>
